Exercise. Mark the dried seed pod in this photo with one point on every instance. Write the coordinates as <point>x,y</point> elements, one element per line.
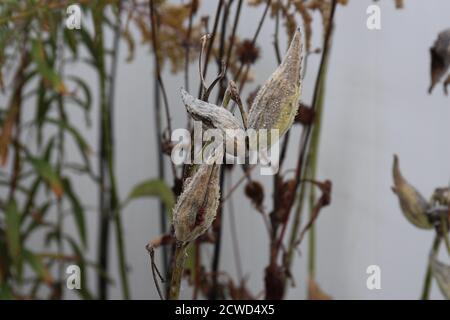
<point>209,114</point>
<point>441,196</point>
<point>413,204</point>
<point>197,205</point>
<point>276,103</point>
<point>440,58</point>
<point>216,117</point>
<point>441,273</point>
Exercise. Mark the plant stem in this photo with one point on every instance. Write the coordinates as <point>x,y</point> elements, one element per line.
<point>60,163</point>
<point>211,42</point>
<point>311,163</point>
<point>115,208</point>
<point>177,270</point>
<point>428,275</point>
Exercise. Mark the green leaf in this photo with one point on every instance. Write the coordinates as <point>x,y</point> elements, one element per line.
<point>38,54</point>
<point>12,221</point>
<point>70,39</point>
<point>35,223</point>
<point>6,292</point>
<point>45,170</point>
<point>87,103</point>
<point>84,147</point>
<point>38,266</point>
<point>153,188</point>
<point>77,210</point>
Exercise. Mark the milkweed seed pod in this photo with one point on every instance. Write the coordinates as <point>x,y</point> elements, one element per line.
<point>441,273</point>
<point>197,205</point>
<point>276,103</point>
<point>440,57</point>
<point>441,196</point>
<point>209,114</point>
<point>412,203</point>
<point>216,117</point>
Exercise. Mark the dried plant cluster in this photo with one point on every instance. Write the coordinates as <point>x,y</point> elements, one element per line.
<point>432,214</point>
<point>37,55</point>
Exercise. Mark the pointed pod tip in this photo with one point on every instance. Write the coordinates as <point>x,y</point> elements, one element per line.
<point>395,158</point>
<point>396,170</point>
<point>186,97</point>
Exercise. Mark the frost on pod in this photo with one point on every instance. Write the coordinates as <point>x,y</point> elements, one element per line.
<point>276,103</point>
<point>196,207</point>
<point>413,204</point>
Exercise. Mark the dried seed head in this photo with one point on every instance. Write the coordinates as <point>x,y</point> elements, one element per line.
<point>247,52</point>
<point>441,273</point>
<point>209,114</point>
<point>255,191</point>
<point>440,57</point>
<point>276,103</point>
<point>413,204</point>
<point>305,114</point>
<point>197,205</point>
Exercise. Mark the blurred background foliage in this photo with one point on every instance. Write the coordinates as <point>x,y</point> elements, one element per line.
<point>37,57</point>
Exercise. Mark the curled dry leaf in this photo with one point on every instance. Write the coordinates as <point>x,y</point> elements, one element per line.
<point>276,104</point>
<point>441,273</point>
<point>315,292</point>
<point>412,203</point>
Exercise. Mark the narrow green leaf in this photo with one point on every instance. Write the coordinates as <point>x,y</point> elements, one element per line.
<point>153,188</point>
<point>87,103</point>
<point>38,266</point>
<point>77,210</point>
<point>38,54</point>
<point>45,170</point>
<point>84,147</point>
<point>12,221</point>
<point>70,39</point>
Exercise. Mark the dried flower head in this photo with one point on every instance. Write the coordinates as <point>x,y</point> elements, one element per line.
<point>305,114</point>
<point>247,52</point>
<point>276,103</point>
<point>255,191</point>
<point>413,204</point>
